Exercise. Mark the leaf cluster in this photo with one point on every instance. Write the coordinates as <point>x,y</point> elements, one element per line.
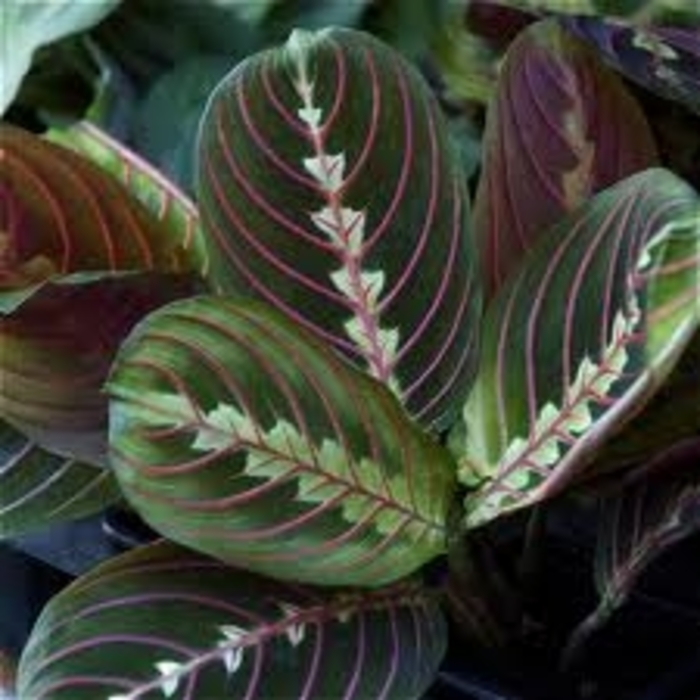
<point>326,307</point>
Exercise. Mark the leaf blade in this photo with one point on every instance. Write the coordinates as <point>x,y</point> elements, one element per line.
<point>560,128</point>
<point>246,636</point>
<point>287,173</point>
<point>236,433</point>
<point>615,287</point>
<point>163,199</point>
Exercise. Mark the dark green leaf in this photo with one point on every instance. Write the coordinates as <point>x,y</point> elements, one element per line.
<point>329,188</point>
<point>163,622</point>
<point>673,415</point>
<point>580,339</point>
<point>167,121</point>
<point>148,38</point>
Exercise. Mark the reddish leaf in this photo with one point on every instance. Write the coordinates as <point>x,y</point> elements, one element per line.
<point>162,198</point>
<point>56,351</point>
<point>657,508</point>
<point>61,214</point>
<point>561,128</point>
<point>69,234</point>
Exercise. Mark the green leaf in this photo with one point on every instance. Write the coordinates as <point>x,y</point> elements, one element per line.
<point>560,128</point>
<point>162,198</point>
<point>165,622</point>
<point>38,488</point>
<point>241,435</point>
<point>253,13</point>
<point>467,64</point>
<point>149,37</point>
<point>330,189</point>
<point>580,339</point>
<point>28,25</point>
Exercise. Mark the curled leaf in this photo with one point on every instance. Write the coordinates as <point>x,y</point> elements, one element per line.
<point>61,214</point>
<point>161,197</point>
<point>81,260</point>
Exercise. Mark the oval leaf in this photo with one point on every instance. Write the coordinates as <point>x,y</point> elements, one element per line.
<point>560,128</point>
<point>579,340</point>
<point>38,488</point>
<point>328,188</point>
<point>236,433</point>
<point>69,234</point>
<point>165,622</point>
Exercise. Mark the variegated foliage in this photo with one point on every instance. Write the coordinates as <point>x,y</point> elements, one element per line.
<point>329,189</point>
<point>81,261</point>
<point>580,338</point>
<point>163,622</point>
<point>240,434</point>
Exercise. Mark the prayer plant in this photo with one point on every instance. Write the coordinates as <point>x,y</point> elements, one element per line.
<point>338,365</point>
